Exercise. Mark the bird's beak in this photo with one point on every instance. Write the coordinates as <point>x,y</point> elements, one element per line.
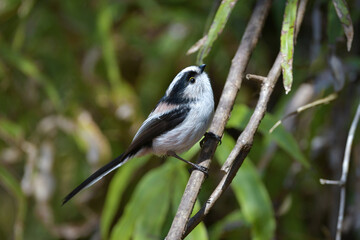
<point>202,67</point>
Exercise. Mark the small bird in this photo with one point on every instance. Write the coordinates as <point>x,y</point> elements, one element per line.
<point>178,121</point>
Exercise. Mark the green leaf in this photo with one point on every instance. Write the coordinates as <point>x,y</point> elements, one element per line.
<point>284,139</point>
<point>334,29</point>
<point>221,17</point>
<point>136,225</point>
<point>104,26</point>
<point>222,226</point>
<point>10,129</point>
<point>251,194</point>
<point>150,222</point>
<point>146,211</point>
<point>145,214</point>
<point>23,12</point>
<point>343,13</point>
<point>14,187</point>
<point>287,43</point>
<point>117,187</point>
<point>255,201</point>
<point>240,117</point>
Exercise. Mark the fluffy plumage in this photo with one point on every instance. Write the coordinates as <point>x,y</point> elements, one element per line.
<point>178,121</point>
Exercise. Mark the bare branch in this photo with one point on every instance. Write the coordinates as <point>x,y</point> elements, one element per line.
<point>232,86</point>
<point>245,140</point>
<point>194,48</point>
<point>324,100</point>
<point>331,182</point>
<point>257,78</point>
<point>345,170</point>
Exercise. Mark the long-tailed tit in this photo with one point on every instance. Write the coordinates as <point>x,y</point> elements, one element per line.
<point>178,121</point>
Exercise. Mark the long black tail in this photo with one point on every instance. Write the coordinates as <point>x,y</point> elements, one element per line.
<point>96,176</point>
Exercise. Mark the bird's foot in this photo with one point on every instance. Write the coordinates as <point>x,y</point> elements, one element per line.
<point>209,135</point>
<point>201,169</point>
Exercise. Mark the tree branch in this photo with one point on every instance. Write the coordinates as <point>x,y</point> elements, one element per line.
<point>245,140</point>
<point>345,170</point>
<point>231,88</point>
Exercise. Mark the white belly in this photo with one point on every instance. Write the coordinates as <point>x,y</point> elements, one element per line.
<point>187,133</point>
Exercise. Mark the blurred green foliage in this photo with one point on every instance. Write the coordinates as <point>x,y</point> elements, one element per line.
<point>77,78</point>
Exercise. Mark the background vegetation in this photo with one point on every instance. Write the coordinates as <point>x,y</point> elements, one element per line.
<point>77,78</point>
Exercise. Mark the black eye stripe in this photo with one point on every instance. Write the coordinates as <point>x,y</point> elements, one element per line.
<point>182,83</point>
<point>191,74</point>
<point>177,91</point>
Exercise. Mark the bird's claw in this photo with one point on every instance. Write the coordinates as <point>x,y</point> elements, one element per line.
<point>200,168</point>
<point>210,135</point>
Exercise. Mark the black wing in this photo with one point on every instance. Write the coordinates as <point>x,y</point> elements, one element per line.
<point>156,127</point>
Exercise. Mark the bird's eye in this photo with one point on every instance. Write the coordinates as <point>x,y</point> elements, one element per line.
<point>192,80</point>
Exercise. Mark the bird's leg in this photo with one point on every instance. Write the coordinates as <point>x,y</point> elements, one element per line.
<point>195,166</point>
<point>210,135</point>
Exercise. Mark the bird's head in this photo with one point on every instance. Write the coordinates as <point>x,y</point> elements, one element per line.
<point>189,84</point>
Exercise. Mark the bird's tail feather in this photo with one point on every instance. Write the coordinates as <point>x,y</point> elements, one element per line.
<point>96,176</point>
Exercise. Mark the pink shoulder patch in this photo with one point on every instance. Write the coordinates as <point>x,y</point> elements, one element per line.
<point>164,107</point>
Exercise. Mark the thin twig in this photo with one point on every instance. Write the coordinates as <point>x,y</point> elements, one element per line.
<point>257,78</point>
<point>324,100</point>
<point>331,182</point>
<point>245,140</point>
<point>231,88</point>
<point>194,48</point>
<point>345,170</point>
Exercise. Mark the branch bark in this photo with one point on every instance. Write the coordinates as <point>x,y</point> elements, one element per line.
<point>231,88</point>
<point>345,170</point>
